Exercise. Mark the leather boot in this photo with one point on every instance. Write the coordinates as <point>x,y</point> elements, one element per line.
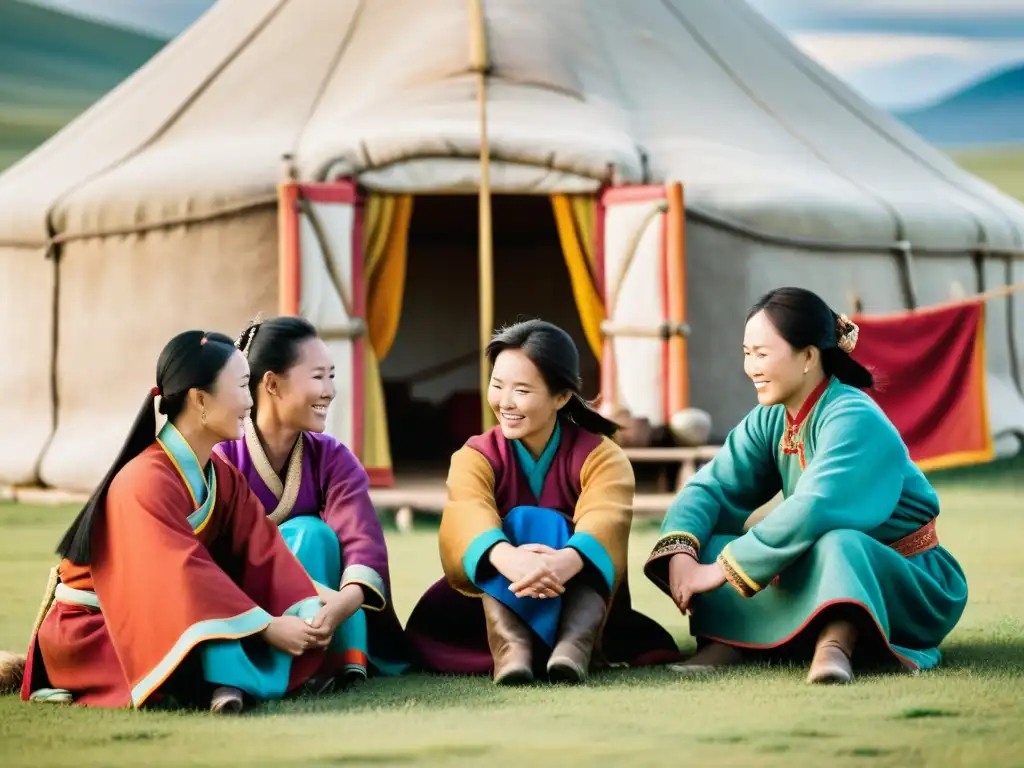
<point>511,644</point>
<point>831,662</point>
<point>711,658</point>
<point>583,612</point>
<point>226,700</point>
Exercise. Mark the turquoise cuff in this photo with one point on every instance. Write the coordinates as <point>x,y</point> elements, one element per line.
<point>478,548</point>
<point>305,609</point>
<point>371,582</point>
<point>249,623</point>
<point>594,552</point>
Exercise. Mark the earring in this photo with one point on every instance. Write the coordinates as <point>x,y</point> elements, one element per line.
<point>202,416</point>
<point>806,370</point>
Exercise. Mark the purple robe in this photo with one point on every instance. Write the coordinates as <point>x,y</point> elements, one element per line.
<point>335,487</point>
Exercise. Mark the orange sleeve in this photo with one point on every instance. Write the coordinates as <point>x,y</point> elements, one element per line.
<point>470,523</point>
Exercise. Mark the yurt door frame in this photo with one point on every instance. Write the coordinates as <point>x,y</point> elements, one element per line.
<point>643,256</point>
<point>321,279</point>
<point>640,255</point>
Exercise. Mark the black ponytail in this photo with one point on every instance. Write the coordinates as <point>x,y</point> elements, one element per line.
<point>579,412</point>
<point>554,353</point>
<point>191,360</point>
<point>804,320</point>
<point>838,363</point>
<point>76,545</point>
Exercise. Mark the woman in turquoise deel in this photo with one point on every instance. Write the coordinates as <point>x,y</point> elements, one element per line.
<point>848,566</point>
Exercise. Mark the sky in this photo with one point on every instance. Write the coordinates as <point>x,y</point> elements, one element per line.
<point>899,53</point>
<point>904,53</point>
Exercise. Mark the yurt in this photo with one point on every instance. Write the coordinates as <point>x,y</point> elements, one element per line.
<point>651,168</point>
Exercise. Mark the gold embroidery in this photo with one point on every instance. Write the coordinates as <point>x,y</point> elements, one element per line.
<point>793,435</point>
<point>288,492</point>
<point>677,542</point>
<point>921,540</point>
<point>742,583</point>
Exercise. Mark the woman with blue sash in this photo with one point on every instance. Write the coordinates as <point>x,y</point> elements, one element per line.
<point>535,532</point>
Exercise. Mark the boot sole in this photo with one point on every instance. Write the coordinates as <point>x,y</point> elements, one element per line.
<point>566,672</point>
<point>834,676</point>
<point>515,677</point>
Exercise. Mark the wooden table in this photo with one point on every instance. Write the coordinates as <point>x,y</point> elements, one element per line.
<point>687,458</point>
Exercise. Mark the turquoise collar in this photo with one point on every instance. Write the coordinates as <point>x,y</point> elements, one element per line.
<point>536,470</point>
<point>202,489</point>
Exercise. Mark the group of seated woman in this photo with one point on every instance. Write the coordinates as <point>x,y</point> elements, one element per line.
<point>237,557</point>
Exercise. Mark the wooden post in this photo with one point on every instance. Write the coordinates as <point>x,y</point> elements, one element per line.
<point>678,374</point>
<point>480,63</point>
<point>289,268</point>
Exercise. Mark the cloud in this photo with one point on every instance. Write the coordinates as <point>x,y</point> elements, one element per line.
<point>951,18</point>
<point>907,71</point>
<point>846,51</point>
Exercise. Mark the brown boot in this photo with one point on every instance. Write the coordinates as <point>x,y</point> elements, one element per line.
<point>711,658</point>
<point>831,662</point>
<point>511,644</point>
<point>583,611</point>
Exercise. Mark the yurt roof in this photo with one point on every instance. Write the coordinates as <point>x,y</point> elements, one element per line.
<point>578,94</point>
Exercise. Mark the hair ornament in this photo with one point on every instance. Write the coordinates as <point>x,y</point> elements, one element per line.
<point>847,333</point>
<point>244,342</point>
<point>155,391</point>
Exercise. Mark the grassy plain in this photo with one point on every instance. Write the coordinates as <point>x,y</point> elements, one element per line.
<point>967,713</point>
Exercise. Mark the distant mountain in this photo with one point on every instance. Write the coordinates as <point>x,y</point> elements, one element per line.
<point>921,81</point>
<point>989,111</point>
<point>53,66</point>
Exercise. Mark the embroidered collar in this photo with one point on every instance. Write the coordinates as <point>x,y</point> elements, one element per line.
<point>286,493</point>
<point>793,435</point>
<point>202,487</point>
<point>536,470</point>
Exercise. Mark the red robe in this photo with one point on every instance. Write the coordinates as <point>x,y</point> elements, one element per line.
<point>164,588</point>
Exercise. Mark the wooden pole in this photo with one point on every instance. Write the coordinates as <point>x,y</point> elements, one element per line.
<point>480,63</point>
<point>678,373</point>
<point>288,258</point>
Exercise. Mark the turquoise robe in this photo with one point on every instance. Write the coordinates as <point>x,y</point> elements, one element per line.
<point>849,491</point>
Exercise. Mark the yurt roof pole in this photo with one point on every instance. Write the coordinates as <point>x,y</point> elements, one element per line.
<point>479,61</point>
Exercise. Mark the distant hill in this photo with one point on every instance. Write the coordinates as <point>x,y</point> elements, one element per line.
<point>54,65</point>
<point>990,111</point>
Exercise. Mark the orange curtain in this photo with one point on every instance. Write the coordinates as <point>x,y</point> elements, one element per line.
<point>575,217</point>
<point>386,238</point>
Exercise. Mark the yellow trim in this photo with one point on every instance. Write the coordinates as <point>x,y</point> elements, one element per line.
<point>373,589</point>
<point>181,472</point>
<point>211,490</point>
<point>141,699</point>
<point>209,515</point>
<point>685,534</point>
<point>661,550</point>
<point>727,556</point>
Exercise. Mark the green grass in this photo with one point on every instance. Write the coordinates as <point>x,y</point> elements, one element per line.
<point>52,67</point>
<point>967,713</point>
<point>1003,168</point>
